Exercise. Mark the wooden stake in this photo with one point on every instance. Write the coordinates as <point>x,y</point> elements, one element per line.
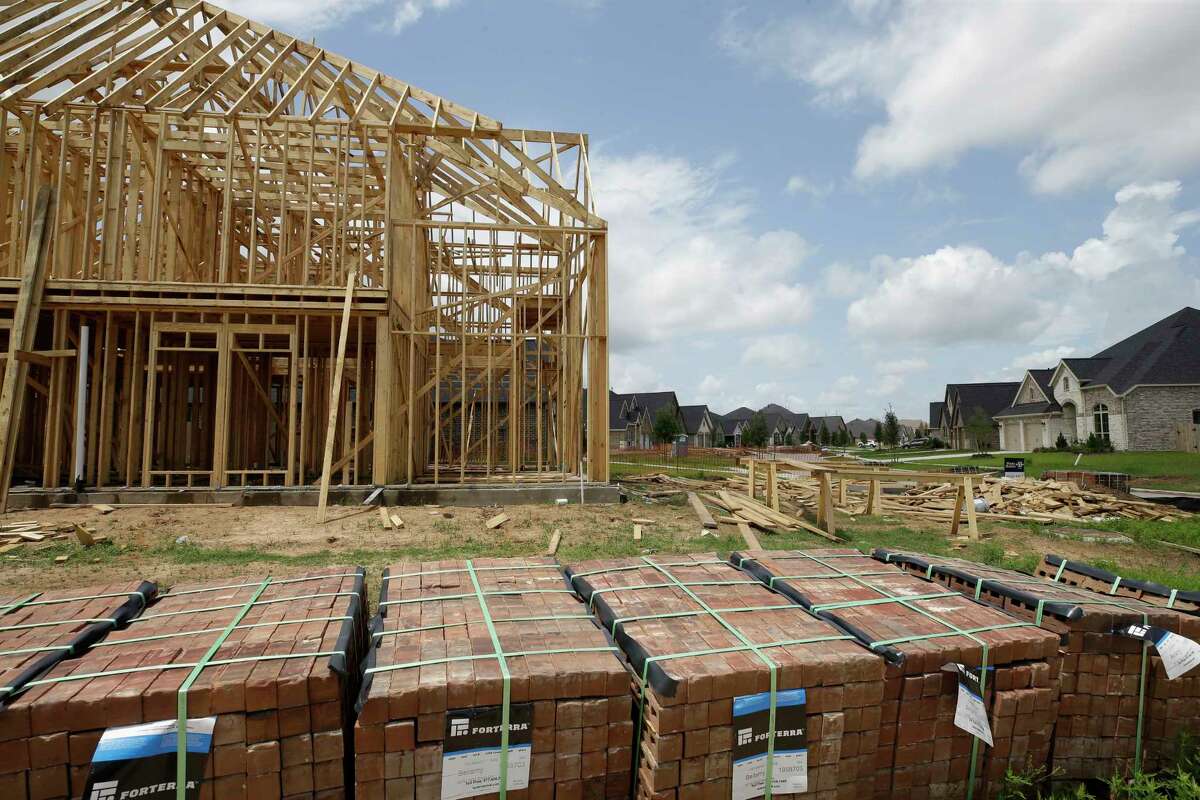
<point>29,304</point>
<point>335,392</point>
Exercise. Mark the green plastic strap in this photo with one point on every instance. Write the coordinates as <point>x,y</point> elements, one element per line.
<point>557,575</point>
<point>677,614</point>
<point>274,582</point>
<point>632,567</point>
<point>181,695</point>
<point>1062,566</point>
<point>32,601</point>
<point>506,592</point>
<point>31,625</point>
<point>231,606</point>
<point>432,662</point>
<point>1116,584</point>
<point>1171,599</point>
<point>880,601</point>
<point>505,708</point>
<point>423,628</point>
<point>27,650</point>
<point>771,665</point>
<point>676,585</point>
<point>771,582</point>
<point>11,607</point>
<point>203,631</point>
<point>216,662</point>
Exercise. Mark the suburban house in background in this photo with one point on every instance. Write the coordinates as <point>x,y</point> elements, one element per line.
<point>701,426</point>
<point>631,417</point>
<point>966,401</point>
<point>862,427</point>
<point>734,423</point>
<point>935,420</point>
<point>1142,393</point>
<point>832,424</point>
<point>784,424</point>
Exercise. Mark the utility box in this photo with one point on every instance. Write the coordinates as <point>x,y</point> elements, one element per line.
<point>679,447</point>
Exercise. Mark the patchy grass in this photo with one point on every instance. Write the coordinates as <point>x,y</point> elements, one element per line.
<point>1158,470</point>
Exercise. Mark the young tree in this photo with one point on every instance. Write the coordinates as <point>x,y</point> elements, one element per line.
<point>666,425</point>
<point>862,437</point>
<point>890,429</point>
<point>878,432</point>
<point>979,425</point>
<point>823,436</point>
<point>755,434</point>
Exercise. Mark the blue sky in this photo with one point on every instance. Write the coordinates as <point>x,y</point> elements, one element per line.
<point>840,206</point>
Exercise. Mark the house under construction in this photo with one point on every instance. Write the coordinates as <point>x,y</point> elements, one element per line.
<point>231,258</point>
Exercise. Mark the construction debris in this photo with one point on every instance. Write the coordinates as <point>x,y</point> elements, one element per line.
<point>496,521</point>
<point>1028,500</point>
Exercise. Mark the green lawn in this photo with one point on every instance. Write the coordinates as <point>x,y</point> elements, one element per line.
<point>1157,470</point>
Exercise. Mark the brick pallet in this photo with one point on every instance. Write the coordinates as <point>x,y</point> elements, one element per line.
<point>1075,573</point>
<point>39,629</point>
<point>1098,725</point>
<point>433,653</point>
<point>278,686</point>
<point>922,753</point>
<point>699,635</point>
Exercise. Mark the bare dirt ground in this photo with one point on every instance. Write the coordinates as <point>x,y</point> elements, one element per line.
<point>170,544</point>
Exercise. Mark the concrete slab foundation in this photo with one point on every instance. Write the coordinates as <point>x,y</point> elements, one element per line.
<point>479,495</point>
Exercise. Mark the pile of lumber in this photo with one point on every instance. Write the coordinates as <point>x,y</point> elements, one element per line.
<point>1041,501</point>
<point>433,674</point>
<point>281,686</point>
<point>1097,728</point>
<point>922,753</point>
<point>1087,576</point>
<point>705,697</point>
<point>742,510</point>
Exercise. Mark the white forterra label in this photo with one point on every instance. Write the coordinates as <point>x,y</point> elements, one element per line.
<point>1179,654</point>
<point>970,714</point>
<point>751,725</point>
<point>471,750</point>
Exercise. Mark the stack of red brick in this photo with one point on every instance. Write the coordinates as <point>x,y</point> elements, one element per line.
<point>684,622</point>
<point>1097,729</point>
<point>433,665</point>
<point>1087,576</point>
<point>281,721</point>
<point>922,754</point>
<point>37,631</point>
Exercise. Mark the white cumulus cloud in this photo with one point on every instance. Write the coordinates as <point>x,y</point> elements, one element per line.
<point>1086,91</point>
<point>964,294</point>
<point>683,258</point>
<point>303,17</point>
<point>779,351</point>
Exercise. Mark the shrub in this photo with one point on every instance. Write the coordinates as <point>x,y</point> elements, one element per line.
<point>1061,443</point>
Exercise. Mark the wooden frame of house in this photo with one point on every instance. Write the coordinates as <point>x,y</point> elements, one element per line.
<point>270,263</point>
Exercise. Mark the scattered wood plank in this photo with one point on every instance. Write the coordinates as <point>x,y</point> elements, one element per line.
<point>496,521</point>
<point>61,559</point>
<point>8,548</point>
<point>373,496</point>
<point>637,533</point>
<point>385,518</point>
<point>555,538</point>
<point>84,535</point>
<point>749,536</point>
<point>706,519</point>
<point>397,523</point>
<point>104,508</point>
<point>1193,550</point>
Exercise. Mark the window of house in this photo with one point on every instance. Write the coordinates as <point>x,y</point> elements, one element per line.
<point>1196,416</point>
<point>1066,383</point>
<point>1100,420</point>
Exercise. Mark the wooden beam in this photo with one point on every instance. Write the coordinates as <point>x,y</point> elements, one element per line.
<point>29,305</point>
<point>335,392</point>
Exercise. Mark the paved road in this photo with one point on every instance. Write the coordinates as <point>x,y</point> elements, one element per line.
<point>944,456</point>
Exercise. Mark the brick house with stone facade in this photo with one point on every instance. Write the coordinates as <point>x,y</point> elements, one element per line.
<point>1142,393</point>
